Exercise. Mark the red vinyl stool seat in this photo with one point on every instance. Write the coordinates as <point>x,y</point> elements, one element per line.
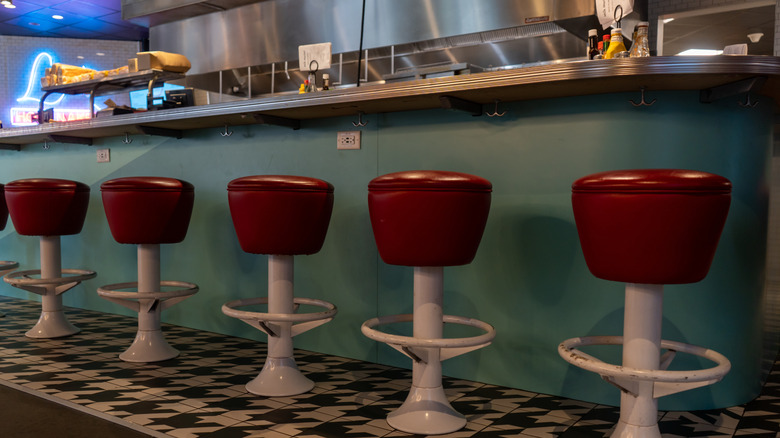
<point>281,216</point>
<point>648,228</point>
<point>48,208</point>
<point>300,210</point>
<point>148,211</point>
<point>428,219</point>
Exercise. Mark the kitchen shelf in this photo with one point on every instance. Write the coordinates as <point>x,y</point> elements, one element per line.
<point>717,77</point>
<point>142,79</point>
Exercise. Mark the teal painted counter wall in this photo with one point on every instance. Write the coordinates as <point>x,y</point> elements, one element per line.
<point>528,279</point>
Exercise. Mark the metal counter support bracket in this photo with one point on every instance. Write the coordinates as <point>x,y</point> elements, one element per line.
<point>709,95</point>
<point>266,119</point>
<point>449,102</point>
<point>11,147</point>
<point>162,132</point>
<point>70,139</point>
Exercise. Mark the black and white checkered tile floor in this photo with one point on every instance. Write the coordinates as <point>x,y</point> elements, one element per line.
<point>201,393</point>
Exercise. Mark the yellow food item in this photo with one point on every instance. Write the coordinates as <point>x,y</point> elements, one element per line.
<point>163,61</point>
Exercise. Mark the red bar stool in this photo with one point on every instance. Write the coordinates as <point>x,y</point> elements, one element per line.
<point>48,208</point>
<point>648,228</point>
<point>148,211</point>
<point>428,219</point>
<point>281,216</point>
<point>6,266</point>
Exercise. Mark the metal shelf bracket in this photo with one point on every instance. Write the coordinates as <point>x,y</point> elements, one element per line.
<point>749,85</point>
<point>449,102</point>
<point>70,139</point>
<point>162,132</point>
<point>266,119</point>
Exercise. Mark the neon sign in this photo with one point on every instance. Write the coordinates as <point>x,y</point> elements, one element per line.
<point>24,116</point>
<point>35,73</point>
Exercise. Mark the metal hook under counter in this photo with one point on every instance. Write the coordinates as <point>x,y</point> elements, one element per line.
<point>46,146</point>
<point>360,121</point>
<point>127,139</point>
<point>748,103</point>
<point>642,102</point>
<point>495,112</point>
<point>226,133</point>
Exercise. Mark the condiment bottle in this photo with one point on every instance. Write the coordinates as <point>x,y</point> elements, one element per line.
<point>325,81</point>
<point>615,44</point>
<point>312,83</point>
<point>593,49</point>
<point>640,47</point>
<point>605,43</point>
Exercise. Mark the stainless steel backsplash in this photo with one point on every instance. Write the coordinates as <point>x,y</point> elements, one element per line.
<point>252,40</point>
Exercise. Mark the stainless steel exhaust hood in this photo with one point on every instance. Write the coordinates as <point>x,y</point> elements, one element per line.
<point>258,38</point>
<point>154,12</point>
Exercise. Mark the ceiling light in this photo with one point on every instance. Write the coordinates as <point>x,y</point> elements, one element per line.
<point>8,3</point>
<point>667,20</point>
<point>57,17</point>
<point>755,37</point>
<point>700,52</point>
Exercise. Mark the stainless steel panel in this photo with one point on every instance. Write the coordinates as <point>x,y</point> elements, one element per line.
<point>271,31</point>
<point>260,33</point>
<point>404,21</point>
<point>154,12</point>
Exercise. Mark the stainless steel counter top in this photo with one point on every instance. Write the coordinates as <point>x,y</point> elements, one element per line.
<point>719,76</point>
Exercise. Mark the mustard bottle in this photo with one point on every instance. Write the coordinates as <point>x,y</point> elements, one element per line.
<point>615,44</point>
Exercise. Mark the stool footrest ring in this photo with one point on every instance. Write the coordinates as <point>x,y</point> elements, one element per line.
<point>456,346</point>
<point>78,275</point>
<point>7,265</point>
<point>114,290</point>
<point>229,309</point>
<point>23,280</point>
<point>113,293</point>
<point>569,351</point>
<point>302,321</point>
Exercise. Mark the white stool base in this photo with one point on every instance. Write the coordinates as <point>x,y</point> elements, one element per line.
<point>52,325</point>
<point>280,377</point>
<point>625,430</point>
<point>643,376</point>
<point>426,411</point>
<point>149,346</point>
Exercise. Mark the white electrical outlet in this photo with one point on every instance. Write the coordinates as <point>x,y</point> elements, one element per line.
<point>103,155</point>
<point>348,140</point>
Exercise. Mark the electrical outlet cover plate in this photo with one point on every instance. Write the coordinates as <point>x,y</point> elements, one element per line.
<point>348,140</point>
<point>103,155</point>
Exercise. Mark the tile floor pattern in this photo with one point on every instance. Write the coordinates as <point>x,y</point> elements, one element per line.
<point>201,393</point>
